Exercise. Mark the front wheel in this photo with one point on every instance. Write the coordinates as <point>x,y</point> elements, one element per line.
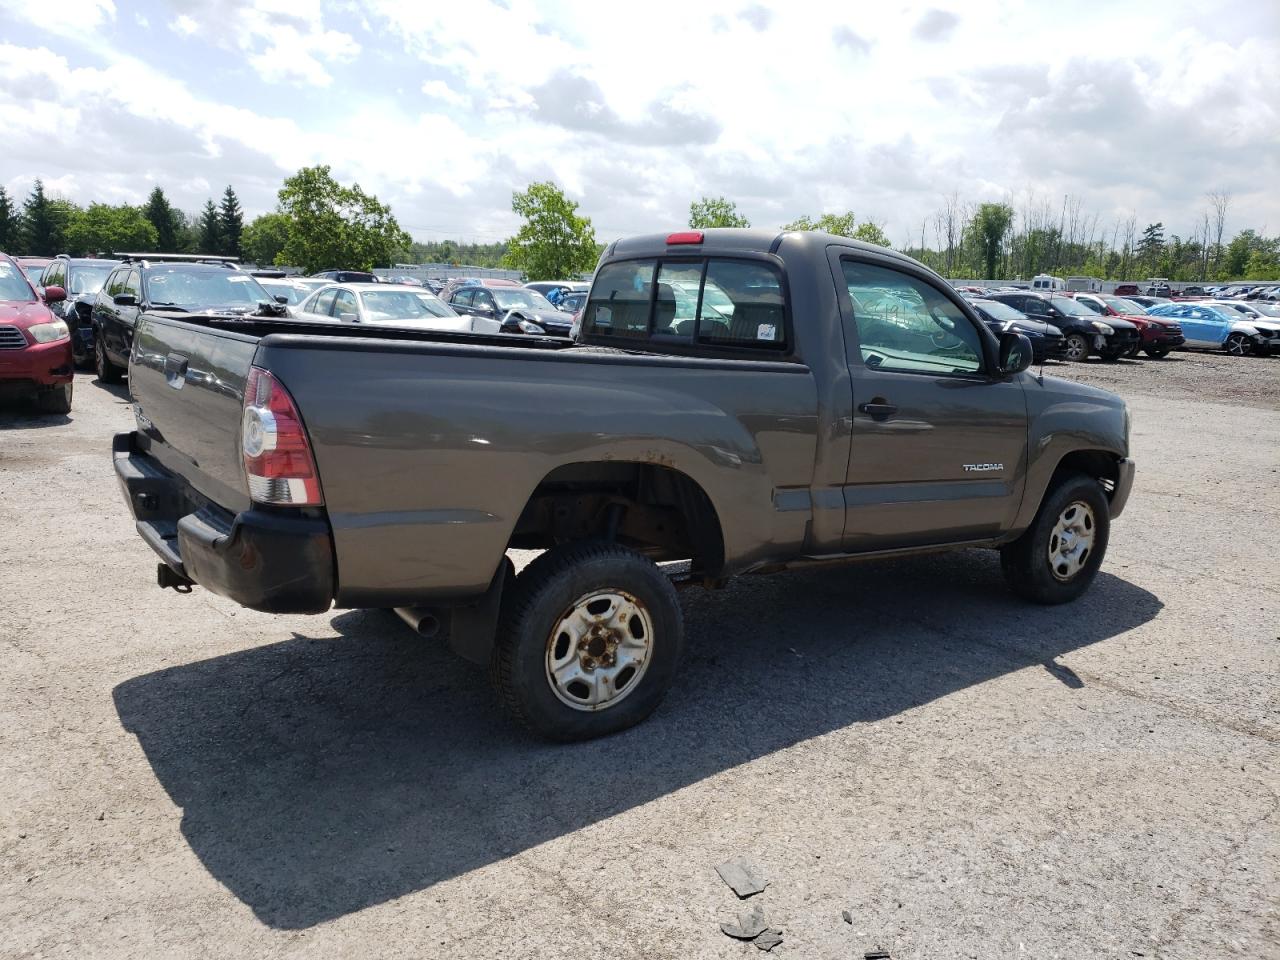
<point>589,641</point>
<point>1111,356</point>
<point>56,399</point>
<point>1077,347</point>
<point>1057,557</point>
<point>1238,345</point>
<point>108,372</point>
<point>1156,354</point>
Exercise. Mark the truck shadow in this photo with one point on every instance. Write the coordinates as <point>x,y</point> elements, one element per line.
<point>325,774</point>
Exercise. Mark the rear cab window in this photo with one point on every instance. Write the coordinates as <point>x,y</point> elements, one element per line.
<point>725,302</point>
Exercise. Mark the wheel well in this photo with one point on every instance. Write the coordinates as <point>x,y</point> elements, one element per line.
<point>1099,464</point>
<point>651,508</point>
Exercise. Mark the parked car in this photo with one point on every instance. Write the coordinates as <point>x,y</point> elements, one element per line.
<point>170,282</point>
<point>1146,302</point>
<point>518,309</point>
<point>1158,335</point>
<point>346,276</point>
<point>33,267</point>
<point>1210,327</point>
<point>1269,292</point>
<point>1084,331</point>
<point>400,305</point>
<point>81,278</point>
<point>35,344</point>
<point>553,290</point>
<point>290,291</point>
<point>1192,290</point>
<point>763,435</point>
<point>1158,287</point>
<point>1126,289</point>
<point>1251,313</point>
<point>1045,282</point>
<point>572,303</point>
<point>1047,341</point>
<point>453,283</point>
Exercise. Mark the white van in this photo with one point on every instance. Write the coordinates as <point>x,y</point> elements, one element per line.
<point>1042,281</point>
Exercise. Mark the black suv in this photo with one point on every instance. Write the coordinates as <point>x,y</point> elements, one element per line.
<point>168,283</point>
<point>81,278</point>
<point>1047,342</point>
<point>1084,330</point>
<point>346,276</point>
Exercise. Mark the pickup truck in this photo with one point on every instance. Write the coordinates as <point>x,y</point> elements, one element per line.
<point>817,400</point>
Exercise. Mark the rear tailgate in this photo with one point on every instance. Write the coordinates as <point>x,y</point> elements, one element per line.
<point>187,383</point>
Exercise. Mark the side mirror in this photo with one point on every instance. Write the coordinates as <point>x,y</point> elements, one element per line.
<point>1015,352</point>
<point>125,300</point>
<point>349,318</point>
<point>54,294</point>
<point>282,299</point>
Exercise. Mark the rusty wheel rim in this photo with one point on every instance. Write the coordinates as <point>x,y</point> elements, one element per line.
<point>599,650</point>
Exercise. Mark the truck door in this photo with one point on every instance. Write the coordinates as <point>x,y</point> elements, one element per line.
<point>939,443</point>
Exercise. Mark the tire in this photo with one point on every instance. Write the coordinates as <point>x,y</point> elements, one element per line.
<point>1238,345</point>
<point>108,372</point>
<point>56,399</point>
<point>554,602</point>
<point>1076,348</point>
<point>1035,573</point>
<point>1156,354</point>
<point>1134,350</point>
<point>1111,356</point>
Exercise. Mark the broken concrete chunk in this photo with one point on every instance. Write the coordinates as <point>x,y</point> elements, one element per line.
<point>743,876</point>
<point>749,926</point>
<point>848,917</point>
<point>768,940</point>
<point>877,955</point>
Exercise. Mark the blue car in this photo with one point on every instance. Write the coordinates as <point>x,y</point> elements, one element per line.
<point>1212,327</point>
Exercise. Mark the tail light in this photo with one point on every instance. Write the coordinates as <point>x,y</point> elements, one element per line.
<point>684,236</point>
<point>277,454</point>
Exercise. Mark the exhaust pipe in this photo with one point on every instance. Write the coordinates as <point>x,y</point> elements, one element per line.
<point>424,621</point>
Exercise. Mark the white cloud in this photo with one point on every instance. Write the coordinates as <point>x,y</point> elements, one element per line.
<point>439,90</point>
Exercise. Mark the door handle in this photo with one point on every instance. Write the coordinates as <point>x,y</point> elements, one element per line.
<point>878,409</point>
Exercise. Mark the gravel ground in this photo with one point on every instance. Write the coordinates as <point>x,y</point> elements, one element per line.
<point>967,775</point>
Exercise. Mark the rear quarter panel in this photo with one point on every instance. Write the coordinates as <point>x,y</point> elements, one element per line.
<point>427,461</point>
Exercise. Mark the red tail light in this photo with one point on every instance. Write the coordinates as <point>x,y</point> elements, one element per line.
<point>685,236</point>
<point>277,454</point>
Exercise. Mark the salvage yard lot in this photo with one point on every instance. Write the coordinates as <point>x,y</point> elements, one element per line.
<point>967,775</point>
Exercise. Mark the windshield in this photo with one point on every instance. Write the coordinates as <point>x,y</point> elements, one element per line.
<point>88,279</point>
<point>403,305</point>
<point>184,287</point>
<point>1070,307</point>
<point>1000,311</point>
<point>1093,305</point>
<point>1121,305</point>
<point>510,299</point>
<point>13,284</point>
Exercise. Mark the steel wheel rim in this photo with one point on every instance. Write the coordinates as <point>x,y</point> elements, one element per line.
<point>1076,348</point>
<point>1071,541</point>
<point>599,650</point>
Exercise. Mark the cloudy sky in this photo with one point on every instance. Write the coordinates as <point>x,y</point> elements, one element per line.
<point>443,109</point>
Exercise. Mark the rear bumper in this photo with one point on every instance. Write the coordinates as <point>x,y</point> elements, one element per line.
<point>276,562</point>
<point>1124,485</point>
<point>43,364</point>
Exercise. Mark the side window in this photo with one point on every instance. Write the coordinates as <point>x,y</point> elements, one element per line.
<point>1035,307</point>
<point>344,302</point>
<point>675,304</point>
<point>904,324</point>
<point>324,302</point>
<point>742,305</point>
<point>133,284</point>
<point>619,301</point>
<point>464,297</point>
<point>484,299</point>
<point>112,286</point>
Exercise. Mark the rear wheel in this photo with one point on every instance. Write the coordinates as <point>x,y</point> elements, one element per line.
<point>1238,345</point>
<point>108,372</point>
<point>1077,347</point>
<point>1111,356</point>
<point>56,399</point>
<point>1057,557</point>
<point>589,642</point>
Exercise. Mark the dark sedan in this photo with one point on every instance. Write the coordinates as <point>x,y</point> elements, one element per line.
<point>1084,330</point>
<point>520,310</point>
<point>1047,341</point>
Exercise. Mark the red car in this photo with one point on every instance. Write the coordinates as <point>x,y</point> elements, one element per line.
<point>1158,335</point>
<point>35,345</point>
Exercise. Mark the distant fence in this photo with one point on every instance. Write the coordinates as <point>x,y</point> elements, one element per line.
<point>443,271</point>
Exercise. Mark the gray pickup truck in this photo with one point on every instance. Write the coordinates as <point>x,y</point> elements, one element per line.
<point>743,400</point>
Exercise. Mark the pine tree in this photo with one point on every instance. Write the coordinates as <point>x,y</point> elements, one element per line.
<point>161,215</point>
<point>210,229</point>
<point>231,223</point>
<point>40,225</point>
<point>10,224</point>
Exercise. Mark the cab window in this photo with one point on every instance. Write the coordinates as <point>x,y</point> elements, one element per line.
<point>904,324</point>
<point>619,301</point>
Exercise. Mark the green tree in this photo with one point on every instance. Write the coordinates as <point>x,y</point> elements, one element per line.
<point>210,229</point>
<point>105,229</point>
<point>264,238</point>
<point>839,224</point>
<point>44,222</point>
<point>161,216</point>
<point>10,223</point>
<point>990,225</point>
<point>715,212</point>
<point>554,243</point>
<point>335,226</point>
<point>871,233</point>
<point>1151,245</point>
<point>230,223</point>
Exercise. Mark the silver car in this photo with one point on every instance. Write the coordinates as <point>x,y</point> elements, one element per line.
<point>389,304</point>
